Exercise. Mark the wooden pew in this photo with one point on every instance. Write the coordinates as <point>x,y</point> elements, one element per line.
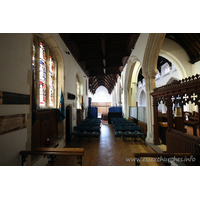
<point>51,153</point>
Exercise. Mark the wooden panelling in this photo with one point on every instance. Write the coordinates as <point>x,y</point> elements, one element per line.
<point>102,106</point>
<point>178,142</point>
<point>143,127</point>
<point>46,126</point>
<point>133,120</point>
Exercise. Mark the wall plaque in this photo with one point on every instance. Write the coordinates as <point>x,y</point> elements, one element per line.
<point>14,98</point>
<point>12,123</point>
<point>71,96</point>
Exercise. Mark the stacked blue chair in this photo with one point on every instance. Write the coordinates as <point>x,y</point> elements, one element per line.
<point>125,128</point>
<point>88,128</point>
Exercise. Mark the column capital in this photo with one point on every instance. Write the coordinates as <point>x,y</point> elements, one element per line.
<point>151,74</point>
<point>134,83</point>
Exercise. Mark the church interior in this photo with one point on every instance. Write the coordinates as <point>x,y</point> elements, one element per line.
<point>99,99</point>
<point>97,95</point>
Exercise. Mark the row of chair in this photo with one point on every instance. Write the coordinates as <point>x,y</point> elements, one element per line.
<point>90,122</point>
<point>120,120</point>
<point>88,134</point>
<point>94,120</point>
<point>128,130</point>
<point>87,128</point>
<point>124,124</point>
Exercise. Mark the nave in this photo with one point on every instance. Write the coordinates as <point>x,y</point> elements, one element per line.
<point>105,151</point>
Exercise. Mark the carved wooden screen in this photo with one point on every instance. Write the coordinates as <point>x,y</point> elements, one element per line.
<point>181,92</point>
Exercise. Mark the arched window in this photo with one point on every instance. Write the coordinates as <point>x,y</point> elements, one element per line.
<point>51,85</point>
<point>167,69</point>
<point>42,75</point>
<point>142,101</point>
<point>77,94</point>
<point>44,70</point>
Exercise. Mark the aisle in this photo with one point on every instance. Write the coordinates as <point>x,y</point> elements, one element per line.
<point>106,152</point>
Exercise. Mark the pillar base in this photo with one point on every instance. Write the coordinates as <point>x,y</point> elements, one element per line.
<point>149,139</point>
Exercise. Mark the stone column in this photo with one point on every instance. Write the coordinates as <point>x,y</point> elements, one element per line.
<point>112,98</point>
<point>125,103</point>
<point>149,86</point>
<point>118,93</point>
<point>134,92</point>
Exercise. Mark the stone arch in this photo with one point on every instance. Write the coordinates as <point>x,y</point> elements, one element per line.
<point>79,94</point>
<point>178,65</point>
<point>151,54</point>
<point>50,41</point>
<point>149,69</point>
<point>133,67</point>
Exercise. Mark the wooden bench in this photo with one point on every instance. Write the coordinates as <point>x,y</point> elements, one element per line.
<point>51,153</point>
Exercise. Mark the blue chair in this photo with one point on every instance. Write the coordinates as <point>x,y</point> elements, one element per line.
<point>119,131</point>
<point>75,133</point>
<point>85,131</point>
<point>95,128</point>
<point>78,128</point>
<point>135,128</point>
<point>94,134</point>
<point>133,124</point>
<point>140,135</point>
<point>127,128</point>
<point>128,131</point>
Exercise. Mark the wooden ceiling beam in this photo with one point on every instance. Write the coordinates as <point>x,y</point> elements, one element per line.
<point>93,89</point>
<point>94,57</point>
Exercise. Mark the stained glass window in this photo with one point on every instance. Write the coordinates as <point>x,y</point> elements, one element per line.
<point>33,61</point>
<point>50,81</point>
<point>77,94</point>
<point>42,75</point>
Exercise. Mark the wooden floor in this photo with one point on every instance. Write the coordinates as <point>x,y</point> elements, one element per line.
<point>106,151</point>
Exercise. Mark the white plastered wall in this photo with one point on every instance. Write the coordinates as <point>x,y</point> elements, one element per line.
<point>16,77</point>
<point>180,59</point>
<point>71,70</point>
